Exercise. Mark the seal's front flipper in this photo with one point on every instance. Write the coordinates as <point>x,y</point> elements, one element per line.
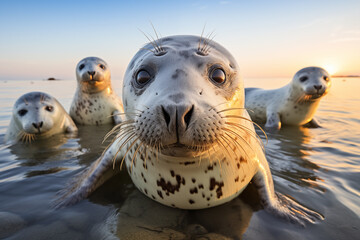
<point>88,180</point>
<point>278,204</point>
<point>70,126</point>
<point>312,124</point>
<point>272,121</point>
<point>117,117</point>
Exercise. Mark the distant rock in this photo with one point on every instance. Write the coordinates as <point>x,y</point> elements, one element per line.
<point>52,79</point>
<point>345,76</point>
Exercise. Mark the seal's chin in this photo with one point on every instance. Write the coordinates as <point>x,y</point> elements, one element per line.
<point>315,96</point>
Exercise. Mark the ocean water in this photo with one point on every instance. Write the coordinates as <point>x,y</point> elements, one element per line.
<point>320,168</point>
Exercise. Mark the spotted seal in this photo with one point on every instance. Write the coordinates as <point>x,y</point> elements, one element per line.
<point>293,104</point>
<point>95,103</point>
<point>37,115</point>
<point>186,139</point>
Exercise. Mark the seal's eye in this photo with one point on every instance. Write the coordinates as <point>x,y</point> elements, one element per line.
<point>218,75</point>
<point>142,77</point>
<point>102,66</point>
<point>49,108</point>
<point>81,66</point>
<point>22,112</point>
<point>326,78</point>
<point>303,79</point>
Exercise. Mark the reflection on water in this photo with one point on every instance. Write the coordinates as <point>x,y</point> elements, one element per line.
<point>317,167</point>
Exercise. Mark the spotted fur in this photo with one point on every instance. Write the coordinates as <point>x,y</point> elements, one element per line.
<point>95,103</point>
<point>293,104</point>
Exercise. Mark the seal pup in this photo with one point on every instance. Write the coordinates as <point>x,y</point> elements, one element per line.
<point>37,115</point>
<point>293,104</point>
<point>95,103</point>
<point>187,140</point>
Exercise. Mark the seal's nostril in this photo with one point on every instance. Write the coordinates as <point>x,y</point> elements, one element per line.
<point>91,73</point>
<point>317,87</point>
<point>187,117</point>
<point>38,125</point>
<point>166,116</point>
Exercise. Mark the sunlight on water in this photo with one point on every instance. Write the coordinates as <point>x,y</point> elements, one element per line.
<point>320,168</point>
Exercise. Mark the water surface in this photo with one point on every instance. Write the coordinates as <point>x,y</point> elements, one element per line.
<point>317,167</point>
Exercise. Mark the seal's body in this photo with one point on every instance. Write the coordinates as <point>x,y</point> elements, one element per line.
<point>95,103</point>
<point>293,104</point>
<point>187,140</point>
<point>37,115</point>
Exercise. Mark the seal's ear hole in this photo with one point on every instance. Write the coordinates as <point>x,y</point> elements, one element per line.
<point>303,79</point>
<point>326,78</point>
<point>22,112</point>
<point>81,66</point>
<point>49,108</point>
<point>218,75</point>
<point>102,66</point>
<point>142,77</point>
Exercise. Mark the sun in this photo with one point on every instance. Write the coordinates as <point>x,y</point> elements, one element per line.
<point>331,69</point>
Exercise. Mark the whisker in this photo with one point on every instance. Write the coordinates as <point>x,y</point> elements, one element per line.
<point>213,107</point>
<point>129,137</point>
<point>221,143</point>
<point>161,49</point>
<point>118,126</point>
<point>132,159</point>
<point>246,119</point>
<point>248,130</point>
<point>201,36</point>
<point>132,144</point>
<point>235,140</point>
<point>240,137</point>
<point>229,109</point>
<point>155,47</point>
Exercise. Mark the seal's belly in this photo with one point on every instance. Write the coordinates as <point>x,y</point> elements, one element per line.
<point>296,116</point>
<point>93,111</point>
<point>190,185</point>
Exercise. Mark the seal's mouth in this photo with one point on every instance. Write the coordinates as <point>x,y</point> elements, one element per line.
<point>185,147</point>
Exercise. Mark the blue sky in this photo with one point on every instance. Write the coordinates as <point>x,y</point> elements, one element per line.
<point>40,39</point>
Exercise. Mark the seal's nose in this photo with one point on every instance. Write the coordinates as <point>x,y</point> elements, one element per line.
<point>91,73</point>
<point>38,125</point>
<point>317,87</point>
<point>177,116</point>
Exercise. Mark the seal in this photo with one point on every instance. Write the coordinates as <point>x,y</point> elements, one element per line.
<point>293,104</point>
<point>37,115</point>
<point>95,103</point>
<point>186,139</point>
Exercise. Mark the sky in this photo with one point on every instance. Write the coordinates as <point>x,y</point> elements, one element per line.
<point>41,39</point>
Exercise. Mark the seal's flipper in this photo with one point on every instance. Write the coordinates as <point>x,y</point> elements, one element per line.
<point>278,204</point>
<point>88,180</point>
<point>312,124</point>
<point>69,125</point>
<point>117,116</point>
<point>273,121</point>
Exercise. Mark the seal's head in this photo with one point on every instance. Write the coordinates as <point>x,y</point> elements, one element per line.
<point>36,114</point>
<point>179,87</point>
<point>93,75</point>
<point>313,82</point>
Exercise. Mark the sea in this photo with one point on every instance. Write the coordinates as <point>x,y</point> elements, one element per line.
<point>317,167</point>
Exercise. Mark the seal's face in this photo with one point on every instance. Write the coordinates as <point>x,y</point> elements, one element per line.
<point>178,92</point>
<point>315,82</point>
<point>36,114</point>
<point>93,75</point>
